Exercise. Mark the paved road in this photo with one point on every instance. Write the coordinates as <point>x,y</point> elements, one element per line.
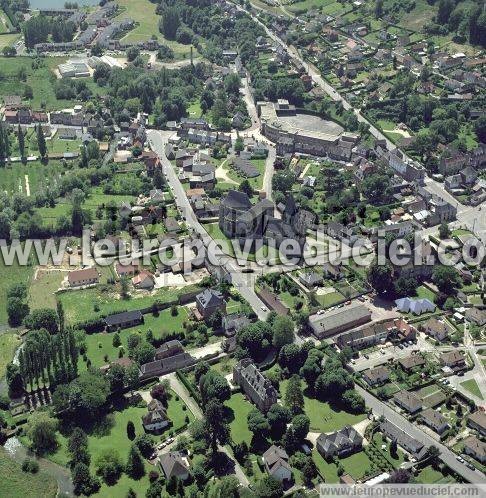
<point>379,408</point>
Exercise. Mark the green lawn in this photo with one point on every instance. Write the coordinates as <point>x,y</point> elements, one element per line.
<point>472,386</point>
<point>215,232</point>
<point>143,13</point>
<point>41,292</point>
<point>356,465</point>
<point>15,483</point>
<point>41,80</point>
<point>238,409</point>
<point>323,416</point>
<point>101,344</point>
<point>428,475</point>
<point>256,182</point>
<point>104,300</point>
<point>9,342</point>
<point>329,299</point>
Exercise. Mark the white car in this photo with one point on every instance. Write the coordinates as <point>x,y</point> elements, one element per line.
<point>459,459</point>
<point>264,309</point>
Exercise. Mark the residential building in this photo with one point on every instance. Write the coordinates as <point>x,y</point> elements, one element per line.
<point>453,359</point>
<point>168,348</point>
<point>254,384</point>
<point>436,328</point>
<point>174,464</point>
<point>276,462</point>
<point>123,320</point>
<point>234,323</point>
<point>167,365</point>
<point>408,401</point>
<point>476,316</point>
<point>87,276</point>
<point>415,306</point>
<point>272,301</point>
<point>339,320</point>
<point>410,362</point>
<point>209,302</point>
<point>340,443</point>
<point>408,443</point>
<point>434,420</point>
<point>376,376</point>
<point>155,419</point>
<point>144,280</point>
<point>363,337</point>
<point>477,421</point>
<point>310,279</point>
<point>475,448</point>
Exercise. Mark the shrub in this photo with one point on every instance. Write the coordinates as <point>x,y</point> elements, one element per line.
<point>30,465</point>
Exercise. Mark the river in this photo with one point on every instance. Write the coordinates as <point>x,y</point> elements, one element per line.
<point>58,4</point>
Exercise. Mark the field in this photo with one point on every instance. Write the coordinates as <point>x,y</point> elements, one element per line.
<point>327,6</point>
<point>101,300</point>
<point>9,342</point>
<point>472,386</point>
<point>5,24</point>
<point>101,344</point>
<point>256,182</point>
<point>143,13</point>
<point>8,40</point>
<point>430,476</point>
<point>238,409</point>
<point>41,81</point>
<point>355,465</point>
<point>15,483</point>
<point>323,416</point>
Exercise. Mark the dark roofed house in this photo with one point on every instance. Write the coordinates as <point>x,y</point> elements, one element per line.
<point>438,329</point>
<point>157,368</point>
<point>155,419</point>
<point>475,448</point>
<point>245,167</point>
<point>174,464</point>
<point>411,362</point>
<point>408,401</point>
<point>276,463</point>
<point>311,279</point>
<point>377,375</point>
<point>169,348</point>
<point>254,384</point>
<point>234,323</point>
<point>453,359</point>
<point>340,443</point>
<point>477,421</point>
<point>87,276</point>
<point>209,301</point>
<point>434,420</point>
<point>272,301</point>
<point>12,100</point>
<point>408,443</point>
<point>476,316</point>
<point>171,225</point>
<point>124,320</point>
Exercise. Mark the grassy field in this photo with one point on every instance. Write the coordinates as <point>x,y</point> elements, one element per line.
<point>41,81</point>
<point>101,344</point>
<point>41,292</point>
<point>238,409</point>
<point>5,24</point>
<point>143,13</point>
<point>256,182</point>
<point>15,483</point>
<point>472,386</point>
<point>8,40</point>
<point>325,417</point>
<point>355,465</point>
<point>430,476</point>
<point>104,300</point>
<point>305,5</point>
<point>9,341</point>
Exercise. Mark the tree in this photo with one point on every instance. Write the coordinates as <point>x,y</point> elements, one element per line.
<point>278,417</point>
<point>170,23</point>
<point>135,467</point>
<point>257,423</point>
<point>291,357</point>
<point>88,393</point>
<point>444,231</point>
<point>269,487</point>
<point>301,425</point>
<point>116,340</point>
<point>109,466</point>
<point>394,449</point>
<point>214,386</point>
<point>354,401</point>
<point>131,430</point>
<point>245,186</point>
<point>433,454</point>
<point>446,278</point>
<point>309,471</point>
<point>14,379</point>
<point>283,331</point>
<point>239,145</point>
<point>78,447</point>
<point>217,429</point>
<point>378,8</point>
<point>43,318</point>
<point>405,286</point>
<point>399,476</point>
<point>84,483</point>
<point>311,369</point>
<point>380,278</point>
<point>116,377</point>
<point>21,141</point>
<point>17,310</point>
<point>144,353</point>
<point>41,430</point>
<point>144,444</point>
<point>41,142</point>
<point>294,398</point>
